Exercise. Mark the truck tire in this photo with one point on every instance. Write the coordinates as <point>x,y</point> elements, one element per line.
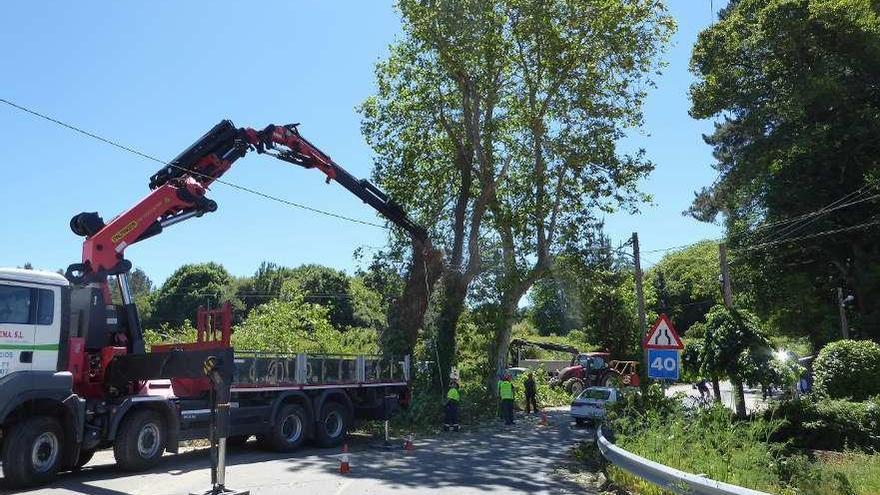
<point>574,386</point>
<point>289,430</point>
<point>32,451</point>
<point>140,440</point>
<point>332,424</point>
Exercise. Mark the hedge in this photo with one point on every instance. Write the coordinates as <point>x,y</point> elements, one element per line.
<point>848,369</point>
<point>828,424</point>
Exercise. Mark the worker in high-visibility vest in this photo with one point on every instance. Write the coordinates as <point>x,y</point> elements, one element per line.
<point>452,400</point>
<point>505,392</point>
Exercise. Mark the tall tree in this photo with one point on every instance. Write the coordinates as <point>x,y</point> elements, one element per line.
<point>191,286</point>
<point>433,124</point>
<point>684,284</point>
<point>579,70</point>
<point>734,345</point>
<point>792,84</point>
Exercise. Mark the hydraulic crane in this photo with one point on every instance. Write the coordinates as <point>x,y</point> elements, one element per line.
<point>178,192</point>
<point>103,370</point>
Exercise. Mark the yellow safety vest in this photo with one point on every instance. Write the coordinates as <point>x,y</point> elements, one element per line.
<point>453,394</point>
<point>505,389</point>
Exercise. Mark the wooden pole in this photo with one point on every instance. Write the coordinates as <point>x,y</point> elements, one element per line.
<point>725,276</point>
<point>640,303</point>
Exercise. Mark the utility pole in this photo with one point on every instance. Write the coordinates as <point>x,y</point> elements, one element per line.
<point>725,276</point>
<point>640,304</point>
<point>841,306</point>
<point>640,295</point>
<point>739,398</point>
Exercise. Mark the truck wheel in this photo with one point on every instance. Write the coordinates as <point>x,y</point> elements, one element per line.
<point>574,386</point>
<point>289,430</point>
<point>32,451</point>
<point>140,440</point>
<point>332,424</point>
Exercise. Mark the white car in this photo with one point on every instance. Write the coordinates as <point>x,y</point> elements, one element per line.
<point>590,405</point>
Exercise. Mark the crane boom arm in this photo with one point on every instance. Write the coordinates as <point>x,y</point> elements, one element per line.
<point>178,193</point>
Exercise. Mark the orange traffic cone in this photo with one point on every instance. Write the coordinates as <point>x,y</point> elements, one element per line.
<point>344,459</point>
<point>408,443</point>
<point>543,418</point>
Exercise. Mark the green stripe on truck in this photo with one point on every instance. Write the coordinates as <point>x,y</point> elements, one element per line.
<point>29,347</point>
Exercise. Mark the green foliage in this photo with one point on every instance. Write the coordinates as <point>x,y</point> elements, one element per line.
<point>814,423</point>
<point>551,313</point>
<point>264,286</point>
<point>792,84</point>
<point>546,396</point>
<point>848,369</point>
<point>734,345</point>
<point>170,334</point>
<point>324,286</point>
<point>684,284</point>
<point>368,308</point>
<point>706,442</point>
<point>294,325</point>
<point>189,287</point>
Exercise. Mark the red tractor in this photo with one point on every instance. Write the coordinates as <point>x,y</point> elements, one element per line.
<point>586,369</point>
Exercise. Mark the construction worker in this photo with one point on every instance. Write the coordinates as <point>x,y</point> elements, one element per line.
<point>452,400</point>
<point>531,394</point>
<point>505,391</point>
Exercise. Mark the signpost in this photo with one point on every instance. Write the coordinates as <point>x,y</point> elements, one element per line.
<point>662,345</point>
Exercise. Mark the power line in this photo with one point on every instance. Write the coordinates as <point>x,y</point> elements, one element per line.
<point>819,234</point>
<point>193,172</point>
<point>798,223</point>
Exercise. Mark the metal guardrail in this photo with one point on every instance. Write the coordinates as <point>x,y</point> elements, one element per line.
<point>666,477</point>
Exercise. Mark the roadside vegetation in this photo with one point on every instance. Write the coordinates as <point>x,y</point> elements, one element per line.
<point>749,453</point>
<point>508,154</point>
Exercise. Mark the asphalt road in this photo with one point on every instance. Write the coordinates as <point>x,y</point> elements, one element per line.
<point>754,400</point>
<point>527,458</point>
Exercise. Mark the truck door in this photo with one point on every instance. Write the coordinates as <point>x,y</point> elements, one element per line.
<point>17,315</point>
<point>47,329</point>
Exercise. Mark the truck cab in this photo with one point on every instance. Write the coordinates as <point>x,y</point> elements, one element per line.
<point>30,321</point>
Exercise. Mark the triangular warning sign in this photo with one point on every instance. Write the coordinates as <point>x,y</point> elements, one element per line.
<point>662,335</point>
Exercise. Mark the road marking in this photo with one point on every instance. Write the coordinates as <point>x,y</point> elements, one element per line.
<point>343,487</point>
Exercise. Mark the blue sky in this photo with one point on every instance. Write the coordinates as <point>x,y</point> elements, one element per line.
<point>157,75</point>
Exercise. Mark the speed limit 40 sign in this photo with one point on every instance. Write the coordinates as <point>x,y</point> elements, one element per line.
<point>663,364</point>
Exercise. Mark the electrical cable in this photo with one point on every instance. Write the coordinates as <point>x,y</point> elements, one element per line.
<point>819,234</point>
<point>193,172</point>
<point>809,218</point>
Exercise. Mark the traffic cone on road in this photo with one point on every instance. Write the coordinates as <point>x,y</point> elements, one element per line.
<point>344,459</point>
<point>408,444</point>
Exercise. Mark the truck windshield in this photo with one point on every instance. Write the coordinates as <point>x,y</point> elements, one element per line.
<point>594,393</point>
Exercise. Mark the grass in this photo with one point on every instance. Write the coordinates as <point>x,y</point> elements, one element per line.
<point>860,469</point>
<point>707,443</point>
<point>712,443</point>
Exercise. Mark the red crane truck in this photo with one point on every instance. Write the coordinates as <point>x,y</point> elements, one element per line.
<point>75,376</point>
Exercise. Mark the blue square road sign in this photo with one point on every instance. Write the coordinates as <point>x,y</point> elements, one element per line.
<point>663,364</point>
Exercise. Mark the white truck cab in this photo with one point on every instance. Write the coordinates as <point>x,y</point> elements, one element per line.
<point>30,320</point>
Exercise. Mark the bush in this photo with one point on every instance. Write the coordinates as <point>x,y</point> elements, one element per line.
<point>848,369</point>
<point>828,424</point>
<point>547,397</point>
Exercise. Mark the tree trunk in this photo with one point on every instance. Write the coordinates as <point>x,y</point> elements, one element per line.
<point>739,396</point>
<point>445,324</point>
<point>407,314</point>
<point>716,389</point>
<point>505,323</point>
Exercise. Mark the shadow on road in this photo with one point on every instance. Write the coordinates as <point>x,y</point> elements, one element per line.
<point>493,457</point>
